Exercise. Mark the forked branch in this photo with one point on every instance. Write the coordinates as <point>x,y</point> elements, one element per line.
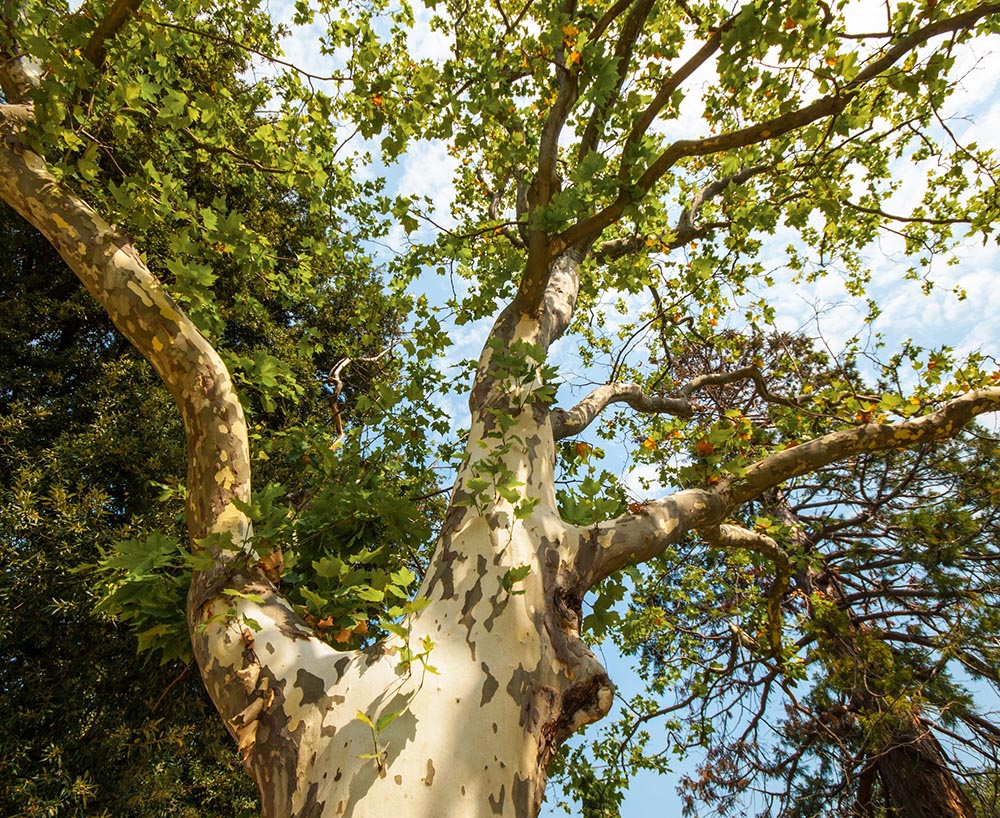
<point>686,229</point>
<point>568,423</point>
<point>648,530</point>
<point>827,106</point>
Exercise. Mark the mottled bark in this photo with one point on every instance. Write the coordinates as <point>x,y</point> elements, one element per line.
<point>362,733</point>
<point>514,678</point>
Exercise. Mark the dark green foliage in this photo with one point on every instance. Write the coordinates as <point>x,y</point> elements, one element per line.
<point>92,454</point>
<point>89,728</point>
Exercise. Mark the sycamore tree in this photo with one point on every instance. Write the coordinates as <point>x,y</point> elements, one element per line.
<point>635,151</point>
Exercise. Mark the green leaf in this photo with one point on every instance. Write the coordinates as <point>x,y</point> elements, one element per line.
<point>385,719</point>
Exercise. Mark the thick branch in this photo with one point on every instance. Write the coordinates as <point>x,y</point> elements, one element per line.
<point>544,186</point>
<point>641,536</point>
<point>571,422</point>
<point>112,271</point>
<point>117,16</point>
<point>638,537</point>
<point>559,297</point>
<point>623,57</point>
<point>608,18</point>
<point>870,437</point>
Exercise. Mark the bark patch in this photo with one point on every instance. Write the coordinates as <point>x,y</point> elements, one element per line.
<point>496,804</point>
<point>520,794</point>
<point>341,666</point>
<point>490,686</point>
<point>312,686</point>
<point>472,598</point>
<point>312,808</point>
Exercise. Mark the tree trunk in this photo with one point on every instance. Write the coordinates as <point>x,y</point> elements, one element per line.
<point>378,732</point>
<point>916,779</point>
<point>462,718</point>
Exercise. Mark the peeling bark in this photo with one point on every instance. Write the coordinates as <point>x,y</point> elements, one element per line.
<point>512,665</point>
<point>514,674</point>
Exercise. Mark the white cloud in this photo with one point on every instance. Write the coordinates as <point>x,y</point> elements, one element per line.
<point>425,42</point>
<point>425,170</point>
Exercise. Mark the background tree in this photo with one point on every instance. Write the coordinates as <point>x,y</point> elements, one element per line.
<point>572,183</point>
<point>890,600</point>
<point>87,728</point>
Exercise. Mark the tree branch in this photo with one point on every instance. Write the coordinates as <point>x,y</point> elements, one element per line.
<point>684,231</point>
<point>608,18</point>
<point>637,537</point>
<point>640,536</point>
<point>567,423</point>
<point>264,55</point>
<point>669,85</point>
<point>623,55</point>
<point>677,237</point>
<point>333,378</point>
<point>117,16</point>
<point>112,270</point>
<point>736,538</point>
<point>830,105</point>
<point>545,185</point>
<point>869,437</point>
<point>716,188</point>
<point>875,211</point>
<point>513,232</point>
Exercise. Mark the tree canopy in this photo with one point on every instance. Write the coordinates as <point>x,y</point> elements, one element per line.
<point>808,576</point>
